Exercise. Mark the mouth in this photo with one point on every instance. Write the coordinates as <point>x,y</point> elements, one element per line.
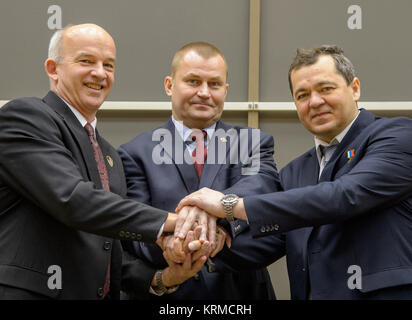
<point>320,115</point>
<point>94,86</point>
<point>201,105</point>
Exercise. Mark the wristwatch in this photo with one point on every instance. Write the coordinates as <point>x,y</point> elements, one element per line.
<point>228,201</point>
<point>160,288</point>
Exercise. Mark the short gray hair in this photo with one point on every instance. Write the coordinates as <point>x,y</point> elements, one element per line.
<point>204,49</point>
<point>56,44</point>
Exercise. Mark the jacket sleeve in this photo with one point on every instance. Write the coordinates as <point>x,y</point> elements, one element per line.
<point>380,176</point>
<point>37,164</point>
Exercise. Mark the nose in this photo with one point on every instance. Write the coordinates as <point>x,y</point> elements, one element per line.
<point>99,72</point>
<point>316,100</point>
<point>203,91</point>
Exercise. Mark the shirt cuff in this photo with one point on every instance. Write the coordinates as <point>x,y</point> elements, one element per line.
<point>161,230</point>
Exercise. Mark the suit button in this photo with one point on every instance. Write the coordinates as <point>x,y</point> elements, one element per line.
<point>262,229</point>
<point>276,227</point>
<point>107,245</point>
<point>196,276</point>
<point>133,236</point>
<point>127,235</point>
<point>267,229</point>
<point>100,292</point>
<point>138,237</point>
<point>303,269</point>
<point>121,233</point>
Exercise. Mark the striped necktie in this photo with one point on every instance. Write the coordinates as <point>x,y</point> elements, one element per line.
<point>101,166</point>
<point>327,153</point>
<point>199,154</point>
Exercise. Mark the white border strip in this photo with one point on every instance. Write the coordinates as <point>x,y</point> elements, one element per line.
<point>242,106</point>
<point>155,105</point>
<point>368,105</point>
<point>160,105</point>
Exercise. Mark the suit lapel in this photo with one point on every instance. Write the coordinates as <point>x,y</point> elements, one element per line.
<point>310,174</point>
<point>78,133</point>
<point>365,118</point>
<point>108,157</point>
<point>210,170</point>
<point>178,153</point>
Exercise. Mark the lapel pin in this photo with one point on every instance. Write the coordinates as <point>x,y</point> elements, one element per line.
<point>223,139</point>
<point>350,154</point>
<point>109,161</point>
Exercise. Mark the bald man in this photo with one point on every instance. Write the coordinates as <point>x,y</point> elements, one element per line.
<point>62,186</point>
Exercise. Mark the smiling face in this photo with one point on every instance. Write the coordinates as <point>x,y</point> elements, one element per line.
<point>198,90</point>
<point>325,103</point>
<point>85,76</point>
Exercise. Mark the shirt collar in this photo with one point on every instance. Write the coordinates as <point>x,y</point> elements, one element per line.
<point>79,116</point>
<point>185,132</point>
<point>338,139</point>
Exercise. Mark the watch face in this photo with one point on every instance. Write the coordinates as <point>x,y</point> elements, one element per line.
<point>229,198</point>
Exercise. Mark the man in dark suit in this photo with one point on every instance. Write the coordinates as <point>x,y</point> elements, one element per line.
<point>160,172</point>
<point>345,213</point>
<point>62,189</point>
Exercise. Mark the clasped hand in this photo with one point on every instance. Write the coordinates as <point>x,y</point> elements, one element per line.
<point>205,237</point>
<point>186,256</point>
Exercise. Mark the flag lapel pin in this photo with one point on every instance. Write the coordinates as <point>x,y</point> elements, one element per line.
<point>350,154</point>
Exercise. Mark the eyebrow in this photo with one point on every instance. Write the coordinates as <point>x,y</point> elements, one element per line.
<point>322,83</point>
<point>319,84</point>
<point>88,55</point>
<point>298,91</point>
<point>194,75</point>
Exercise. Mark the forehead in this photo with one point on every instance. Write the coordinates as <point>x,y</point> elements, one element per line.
<point>89,42</point>
<point>193,63</point>
<point>324,69</point>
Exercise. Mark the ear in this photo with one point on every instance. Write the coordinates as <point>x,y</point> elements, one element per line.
<point>168,85</point>
<point>226,88</point>
<point>51,66</point>
<point>355,85</point>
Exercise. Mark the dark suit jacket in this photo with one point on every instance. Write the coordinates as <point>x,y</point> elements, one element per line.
<point>163,186</point>
<point>53,210</point>
<point>359,213</point>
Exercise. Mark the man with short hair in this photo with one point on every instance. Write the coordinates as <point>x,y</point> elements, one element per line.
<point>196,150</point>
<point>345,214</point>
<point>62,186</point>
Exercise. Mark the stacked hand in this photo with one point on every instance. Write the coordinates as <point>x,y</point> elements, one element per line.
<point>184,257</point>
<point>206,199</point>
<point>196,239</point>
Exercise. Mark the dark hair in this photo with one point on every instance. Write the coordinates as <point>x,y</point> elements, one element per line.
<point>306,57</point>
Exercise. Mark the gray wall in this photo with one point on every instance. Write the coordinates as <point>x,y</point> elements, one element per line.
<point>146,32</point>
<point>381,50</point>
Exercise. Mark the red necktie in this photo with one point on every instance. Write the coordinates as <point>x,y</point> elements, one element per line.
<point>199,154</point>
<point>98,156</point>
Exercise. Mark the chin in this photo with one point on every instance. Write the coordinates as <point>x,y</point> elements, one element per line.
<point>94,105</point>
<point>200,116</point>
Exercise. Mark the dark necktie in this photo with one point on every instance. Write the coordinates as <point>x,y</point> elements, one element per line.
<point>199,154</point>
<point>98,156</point>
<point>327,153</point>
